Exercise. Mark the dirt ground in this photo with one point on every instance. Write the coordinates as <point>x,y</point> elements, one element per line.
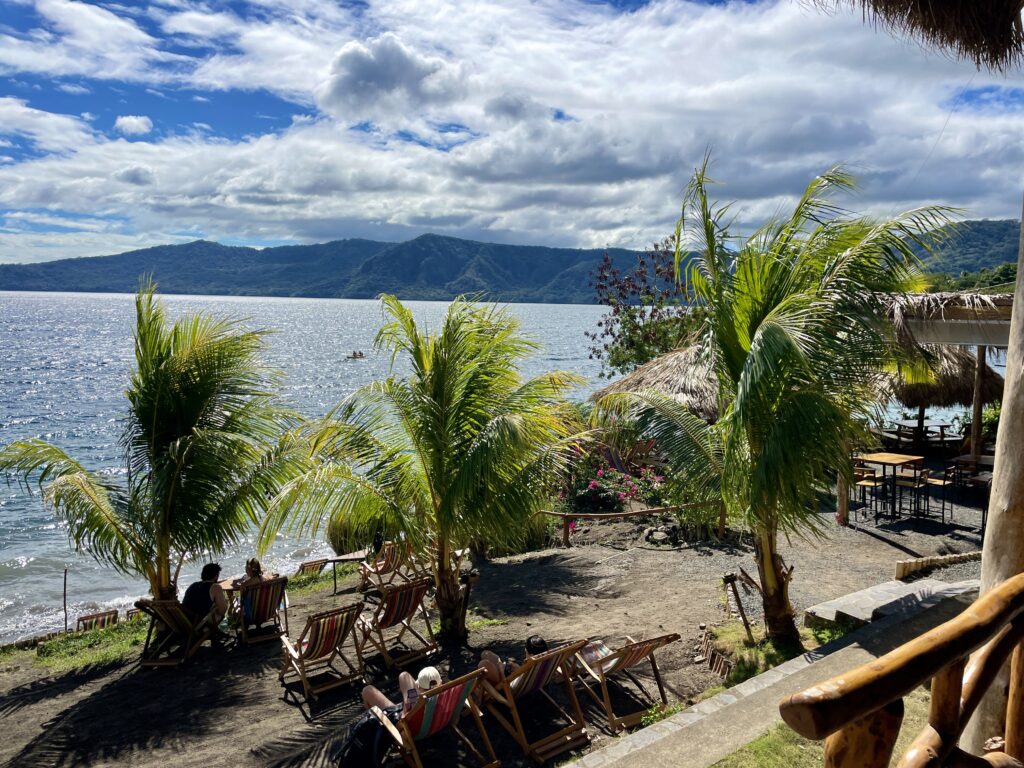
<point>226,708</point>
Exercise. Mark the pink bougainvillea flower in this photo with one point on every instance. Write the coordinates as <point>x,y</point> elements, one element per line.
<point>600,473</point>
<point>622,496</point>
<point>592,484</point>
<point>659,478</point>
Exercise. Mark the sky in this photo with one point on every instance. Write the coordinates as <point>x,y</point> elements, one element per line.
<point>557,122</point>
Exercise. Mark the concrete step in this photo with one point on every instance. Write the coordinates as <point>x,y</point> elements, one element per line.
<point>707,732</point>
<point>886,599</point>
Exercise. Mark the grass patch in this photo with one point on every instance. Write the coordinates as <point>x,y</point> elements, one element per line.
<point>656,714</point>
<point>783,748</point>
<point>480,622</point>
<point>750,659</point>
<point>317,582</point>
<point>98,646</point>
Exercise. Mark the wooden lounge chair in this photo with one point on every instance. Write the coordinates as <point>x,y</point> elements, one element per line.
<point>531,679</point>
<point>385,568</point>
<point>174,635</point>
<point>434,711</point>
<point>97,620</point>
<point>132,614</point>
<point>398,607</point>
<point>259,611</point>
<point>596,663</point>
<point>311,567</point>
<point>314,653</point>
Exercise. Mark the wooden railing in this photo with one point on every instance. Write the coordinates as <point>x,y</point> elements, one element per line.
<point>568,517</point>
<point>859,713</point>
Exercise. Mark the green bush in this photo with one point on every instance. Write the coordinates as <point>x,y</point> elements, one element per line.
<point>541,532</point>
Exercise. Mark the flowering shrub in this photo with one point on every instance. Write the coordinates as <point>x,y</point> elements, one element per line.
<point>598,488</point>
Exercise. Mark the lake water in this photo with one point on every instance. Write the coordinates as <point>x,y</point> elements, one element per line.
<point>64,365</point>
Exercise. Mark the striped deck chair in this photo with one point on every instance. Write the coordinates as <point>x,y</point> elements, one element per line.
<point>97,620</point>
<point>318,648</point>
<point>173,636</point>
<point>434,711</point>
<point>259,609</point>
<point>531,679</point>
<point>311,567</point>
<point>596,663</point>
<point>399,605</point>
<point>384,568</point>
<point>132,614</point>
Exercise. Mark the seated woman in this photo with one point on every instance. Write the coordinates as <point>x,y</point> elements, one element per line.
<point>253,574</point>
<point>495,669</point>
<point>410,690</point>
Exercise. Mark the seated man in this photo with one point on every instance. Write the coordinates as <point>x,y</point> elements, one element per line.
<point>206,595</point>
<point>410,690</point>
<point>496,670</point>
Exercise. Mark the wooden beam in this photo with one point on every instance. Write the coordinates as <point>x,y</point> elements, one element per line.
<point>968,333</point>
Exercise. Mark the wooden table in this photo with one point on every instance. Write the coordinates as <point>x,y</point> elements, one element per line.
<point>350,557</point>
<point>895,460</point>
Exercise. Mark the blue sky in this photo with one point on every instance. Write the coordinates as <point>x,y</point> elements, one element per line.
<point>124,125</point>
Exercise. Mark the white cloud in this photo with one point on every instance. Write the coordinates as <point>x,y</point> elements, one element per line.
<point>133,125</point>
<point>383,77</point>
<point>74,89</point>
<point>560,121</point>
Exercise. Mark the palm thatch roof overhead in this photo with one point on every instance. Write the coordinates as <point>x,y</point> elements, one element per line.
<point>682,374</point>
<point>952,306</point>
<point>988,32</point>
<point>953,383</point>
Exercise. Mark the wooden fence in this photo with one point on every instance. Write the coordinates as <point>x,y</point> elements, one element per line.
<point>859,713</point>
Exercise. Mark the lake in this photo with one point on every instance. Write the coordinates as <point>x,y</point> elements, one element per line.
<point>64,365</point>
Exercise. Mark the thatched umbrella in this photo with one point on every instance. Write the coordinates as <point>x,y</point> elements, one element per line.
<point>988,32</point>
<point>683,374</point>
<point>954,375</point>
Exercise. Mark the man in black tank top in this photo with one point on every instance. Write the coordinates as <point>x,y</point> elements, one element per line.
<point>206,595</point>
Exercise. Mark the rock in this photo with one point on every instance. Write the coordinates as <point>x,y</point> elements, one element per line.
<point>699,659</point>
<point>659,537</point>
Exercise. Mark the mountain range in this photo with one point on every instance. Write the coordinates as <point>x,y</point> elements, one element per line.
<point>429,267</point>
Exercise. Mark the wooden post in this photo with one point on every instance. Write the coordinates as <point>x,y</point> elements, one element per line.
<point>979,380</point>
<point>1015,706</point>
<point>868,742</point>
<point>565,531</point>
<point>1003,550</point>
<point>65,599</point>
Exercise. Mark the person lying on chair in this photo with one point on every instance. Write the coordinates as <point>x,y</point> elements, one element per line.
<point>410,689</point>
<point>495,669</point>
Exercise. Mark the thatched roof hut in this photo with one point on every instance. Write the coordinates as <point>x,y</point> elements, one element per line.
<point>685,375</point>
<point>682,374</point>
<point>988,32</point>
<point>953,384</point>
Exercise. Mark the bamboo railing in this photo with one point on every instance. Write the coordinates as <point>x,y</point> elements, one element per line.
<point>859,713</point>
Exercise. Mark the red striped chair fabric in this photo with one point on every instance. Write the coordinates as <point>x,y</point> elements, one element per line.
<point>399,606</point>
<point>596,663</point>
<point>319,649</point>
<point>437,710</point>
<point>97,620</point>
<point>259,604</point>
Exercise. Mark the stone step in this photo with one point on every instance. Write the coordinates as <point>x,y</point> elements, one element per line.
<point>886,599</point>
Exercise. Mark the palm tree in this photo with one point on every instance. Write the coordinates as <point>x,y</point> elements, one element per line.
<point>462,449</point>
<point>200,443</point>
<point>797,336</point>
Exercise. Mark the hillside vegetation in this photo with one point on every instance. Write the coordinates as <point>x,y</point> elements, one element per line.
<point>430,267</point>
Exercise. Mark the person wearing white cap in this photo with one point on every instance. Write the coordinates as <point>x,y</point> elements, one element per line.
<point>429,677</point>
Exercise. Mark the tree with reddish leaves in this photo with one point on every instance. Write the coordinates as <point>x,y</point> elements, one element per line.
<point>649,312</point>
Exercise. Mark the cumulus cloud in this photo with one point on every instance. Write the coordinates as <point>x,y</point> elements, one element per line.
<point>384,77</point>
<point>133,125</point>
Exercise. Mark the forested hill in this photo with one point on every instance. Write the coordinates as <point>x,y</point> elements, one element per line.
<point>975,245</point>
<point>428,267</point>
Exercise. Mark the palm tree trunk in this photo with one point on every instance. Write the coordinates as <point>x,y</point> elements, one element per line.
<point>779,621</point>
<point>449,597</point>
